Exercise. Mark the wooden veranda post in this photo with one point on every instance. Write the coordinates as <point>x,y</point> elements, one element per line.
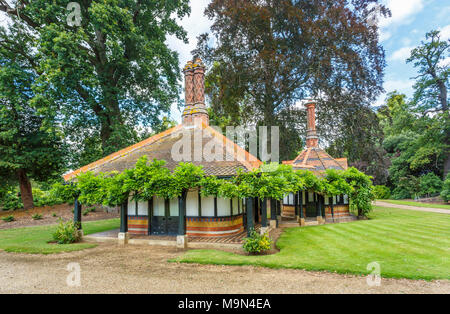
<point>123,234</point>
<point>77,214</point>
<point>273,213</point>
<point>250,218</point>
<point>264,213</point>
<point>181,237</point>
<point>302,217</point>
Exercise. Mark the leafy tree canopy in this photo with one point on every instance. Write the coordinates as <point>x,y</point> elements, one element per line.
<point>108,74</point>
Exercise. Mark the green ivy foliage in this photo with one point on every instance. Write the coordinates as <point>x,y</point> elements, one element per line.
<point>273,181</point>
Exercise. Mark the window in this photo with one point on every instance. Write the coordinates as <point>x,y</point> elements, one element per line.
<point>345,199</point>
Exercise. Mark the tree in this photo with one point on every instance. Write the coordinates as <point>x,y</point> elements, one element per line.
<point>111,72</point>
<point>267,55</point>
<point>414,143</point>
<point>28,147</point>
<point>432,83</point>
<point>362,143</point>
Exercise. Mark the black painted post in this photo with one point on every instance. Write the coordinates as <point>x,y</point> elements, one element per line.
<point>296,204</point>
<point>264,213</point>
<point>199,204</point>
<point>330,200</point>
<point>316,199</point>
<point>273,209</point>
<point>77,213</point>
<point>124,217</point>
<point>250,218</point>
<point>301,203</point>
<point>319,201</point>
<point>182,213</point>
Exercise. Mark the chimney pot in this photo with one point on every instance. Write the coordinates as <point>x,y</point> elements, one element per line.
<point>194,78</point>
<point>312,140</point>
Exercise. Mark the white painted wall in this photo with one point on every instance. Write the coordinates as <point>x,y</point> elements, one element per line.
<point>208,206</point>
<point>223,207</point>
<point>158,206</point>
<point>142,209</point>
<point>235,206</point>
<point>131,207</point>
<point>192,204</point>
<point>174,207</point>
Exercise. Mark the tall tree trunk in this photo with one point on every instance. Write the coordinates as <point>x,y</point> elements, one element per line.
<point>25,189</point>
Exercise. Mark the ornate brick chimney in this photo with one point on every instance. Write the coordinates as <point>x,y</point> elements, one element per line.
<point>194,82</point>
<point>312,140</point>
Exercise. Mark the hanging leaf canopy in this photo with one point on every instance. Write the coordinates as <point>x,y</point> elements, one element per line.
<point>271,181</point>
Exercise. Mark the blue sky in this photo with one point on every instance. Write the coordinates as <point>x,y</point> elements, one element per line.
<point>410,21</point>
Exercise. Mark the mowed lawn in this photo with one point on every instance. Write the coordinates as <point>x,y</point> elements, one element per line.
<point>417,204</point>
<point>406,244</point>
<point>35,239</point>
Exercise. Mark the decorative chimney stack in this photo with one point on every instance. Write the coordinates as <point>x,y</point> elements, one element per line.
<point>312,140</point>
<point>194,81</point>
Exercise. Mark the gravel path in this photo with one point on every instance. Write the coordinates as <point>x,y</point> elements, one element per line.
<point>144,269</point>
<point>422,209</point>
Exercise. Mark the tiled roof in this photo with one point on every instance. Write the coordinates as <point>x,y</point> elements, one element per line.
<point>160,147</point>
<point>316,160</point>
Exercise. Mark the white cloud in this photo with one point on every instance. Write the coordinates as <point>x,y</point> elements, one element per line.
<point>401,54</point>
<point>195,24</point>
<point>402,11</point>
<point>384,35</point>
<point>445,32</point>
<point>445,62</point>
<point>401,86</point>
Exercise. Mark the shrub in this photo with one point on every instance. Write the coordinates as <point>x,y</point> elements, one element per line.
<point>45,198</point>
<point>66,233</point>
<point>8,218</point>
<point>400,193</point>
<point>430,184</point>
<point>256,243</point>
<point>445,194</point>
<point>54,215</point>
<point>10,200</point>
<point>382,192</point>
<point>37,217</point>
